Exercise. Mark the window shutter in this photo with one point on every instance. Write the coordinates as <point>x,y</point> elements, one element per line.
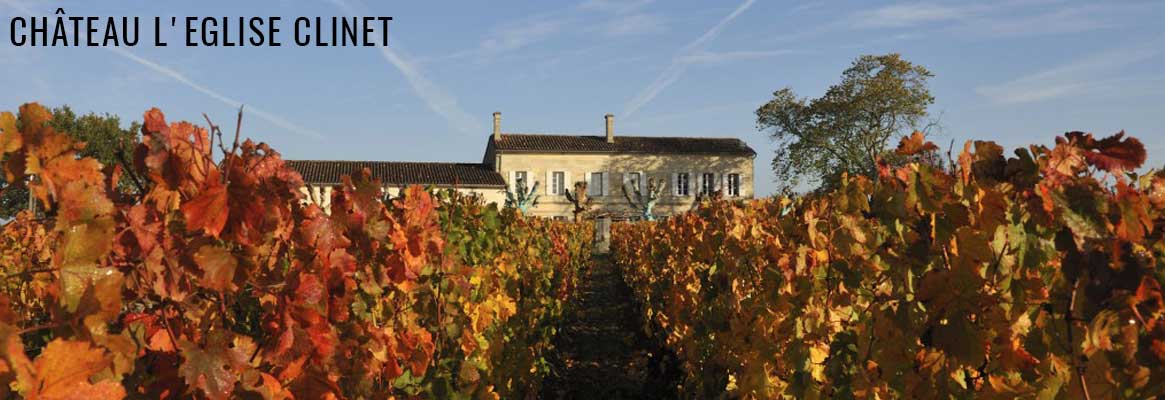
<point>549,182</point>
<point>675,184</point>
<point>606,190</point>
<point>691,190</point>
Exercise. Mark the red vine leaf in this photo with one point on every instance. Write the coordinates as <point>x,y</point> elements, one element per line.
<point>65,370</point>
<point>213,368</point>
<point>1113,154</point>
<point>10,138</point>
<point>207,211</point>
<point>914,144</point>
<point>218,267</point>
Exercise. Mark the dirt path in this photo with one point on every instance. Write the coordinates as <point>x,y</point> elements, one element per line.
<point>602,352</point>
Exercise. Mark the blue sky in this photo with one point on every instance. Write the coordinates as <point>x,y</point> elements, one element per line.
<point>1016,72</point>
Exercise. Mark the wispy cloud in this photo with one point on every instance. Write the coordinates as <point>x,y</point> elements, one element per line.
<point>905,15</point>
<point>998,18</point>
<point>1095,73</point>
<point>438,100</point>
<point>614,6</point>
<point>1065,20</point>
<point>809,5</point>
<point>607,18</point>
<point>518,35</point>
<point>681,61</point>
<point>198,87</point>
<point>706,57</point>
<point>993,19</point>
<point>632,24</point>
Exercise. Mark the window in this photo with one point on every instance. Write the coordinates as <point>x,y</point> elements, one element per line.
<point>595,184</point>
<point>633,179</point>
<point>557,182</point>
<point>520,180</point>
<point>707,183</point>
<point>733,184</point>
<point>682,184</point>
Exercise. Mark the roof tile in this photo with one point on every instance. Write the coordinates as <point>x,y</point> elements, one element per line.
<point>529,143</point>
<point>400,173</point>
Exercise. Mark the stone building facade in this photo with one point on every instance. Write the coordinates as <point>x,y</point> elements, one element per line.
<point>608,163</point>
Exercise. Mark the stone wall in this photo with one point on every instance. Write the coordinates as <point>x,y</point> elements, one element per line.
<point>578,167</point>
<point>322,194</point>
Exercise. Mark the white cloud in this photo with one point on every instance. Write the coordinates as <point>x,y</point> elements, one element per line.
<point>706,57</point>
<point>614,6</point>
<point>998,18</point>
<point>633,24</point>
<point>906,15</point>
<point>680,63</point>
<point>1067,20</point>
<point>198,87</point>
<point>437,99</point>
<point>1089,75</point>
<point>518,35</point>
<point>809,5</point>
<point>607,18</point>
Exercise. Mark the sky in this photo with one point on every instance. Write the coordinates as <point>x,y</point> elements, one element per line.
<point>1017,72</point>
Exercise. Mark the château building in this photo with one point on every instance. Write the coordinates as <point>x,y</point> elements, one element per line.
<point>689,166</point>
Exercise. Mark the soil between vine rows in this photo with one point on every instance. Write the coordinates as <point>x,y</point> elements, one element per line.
<point>602,351</point>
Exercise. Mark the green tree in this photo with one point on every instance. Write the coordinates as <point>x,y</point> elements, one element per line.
<point>878,99</point>
<point>104,139</point>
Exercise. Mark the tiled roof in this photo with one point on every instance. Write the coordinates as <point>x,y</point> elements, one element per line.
<point>401,173</point>
<point>538,143</point>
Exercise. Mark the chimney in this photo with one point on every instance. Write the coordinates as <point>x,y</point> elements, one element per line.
<point>610,128</point>
<point>497,126</point>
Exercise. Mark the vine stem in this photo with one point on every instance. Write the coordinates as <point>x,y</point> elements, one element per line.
<point>132,174</point>
<point>39,327</point>
<point>26,272</point>
<point>1069,320</point>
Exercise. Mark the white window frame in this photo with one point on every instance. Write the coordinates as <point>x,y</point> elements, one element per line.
<point>684,188</point>
<point>707,183</point>
<point>732,188</point>
<point>514,176</point>
<point>556,187</point>
<point>601,185</point>
<point>637,182</point>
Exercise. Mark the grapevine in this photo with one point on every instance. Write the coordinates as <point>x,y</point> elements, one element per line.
<point>1032,276</point>
<point>208,277</point>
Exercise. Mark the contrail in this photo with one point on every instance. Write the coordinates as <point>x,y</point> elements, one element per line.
<point>681,61</point>
<point>177,76</point>
<point>438,100</point>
